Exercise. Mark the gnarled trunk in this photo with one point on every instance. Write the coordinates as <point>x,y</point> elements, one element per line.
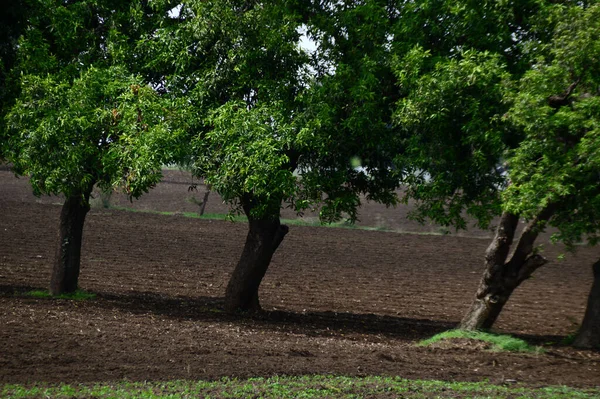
<point>264,236</point>
<point>501,278</point>
<point>588,336</point>
<point>65,273</point>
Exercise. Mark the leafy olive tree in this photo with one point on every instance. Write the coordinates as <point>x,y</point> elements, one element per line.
<point>264,114</point>
<point>82,118</point>
<point>238,66</point>
<point>554,172</point>
<point>482,117</point>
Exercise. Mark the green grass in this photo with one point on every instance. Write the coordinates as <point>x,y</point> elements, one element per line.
<point>295,387</point>
<point>240,218</point>
<point>78,295</point>
<point>292,222</point>
<point>569,339</point>
<point>499,342</point>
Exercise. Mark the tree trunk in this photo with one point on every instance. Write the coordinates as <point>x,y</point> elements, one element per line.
<point>588,336</point>
<point>487,303</point>
<point>65,272</point>
<point>264,237</point>
<point>493,294</point>
<point>204,201</point>
<point>501,278</point>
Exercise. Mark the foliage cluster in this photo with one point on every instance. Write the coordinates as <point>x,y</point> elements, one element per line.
<point>444,98</point>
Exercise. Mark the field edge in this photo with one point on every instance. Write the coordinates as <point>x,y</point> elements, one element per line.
<point>308,386</point>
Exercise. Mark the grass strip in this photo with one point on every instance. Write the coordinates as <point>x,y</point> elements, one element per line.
<point>292,222</point>
<point>499,342</point>
<point>317,386</point>
<point>78,295</point>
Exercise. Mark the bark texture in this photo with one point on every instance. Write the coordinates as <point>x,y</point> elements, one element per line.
<point>588,336</point>
<point>502,277</point>
<point>67,261</point>
<point>264,237</point>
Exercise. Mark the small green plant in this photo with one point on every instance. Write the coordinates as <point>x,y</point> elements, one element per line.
<point>569,339</point>
<point>499,342</point>
<point>78,295</point>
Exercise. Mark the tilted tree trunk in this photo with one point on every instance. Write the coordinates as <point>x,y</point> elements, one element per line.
<point>65,273</point>
<point>501,278</point>
<point>205,200</point>
<point>264,237</point>
<point>588,336</point>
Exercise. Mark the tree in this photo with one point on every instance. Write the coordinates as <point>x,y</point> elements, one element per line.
<point>455,141</point>
<point>558,107</point>
<point>82,119</point>
<point>554,171</point>
<point>470,116</point>
<point>261,136</point>
<point>238,66</point>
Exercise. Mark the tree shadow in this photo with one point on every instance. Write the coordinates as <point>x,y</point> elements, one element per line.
<point>311,323</point>
<point>8,290</point>
<point>315,323</point>
<point>211,309</point>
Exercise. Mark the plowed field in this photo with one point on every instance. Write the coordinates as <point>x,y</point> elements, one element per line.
<point>337,301</point>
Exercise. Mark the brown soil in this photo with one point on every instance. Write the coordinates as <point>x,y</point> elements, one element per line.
<point>337,301</point>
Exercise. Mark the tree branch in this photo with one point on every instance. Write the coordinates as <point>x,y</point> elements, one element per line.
<point>560,100</point>
<point>498,249</point>
<point>530,265</point>
<point>528,237</point>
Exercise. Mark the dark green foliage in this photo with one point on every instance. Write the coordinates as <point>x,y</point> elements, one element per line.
<point>105,127</point>
<point>347,126</point>
<point>12,25</point>
<point>237,64</point>
<point>557,106</point>
<point>82,117</point>
<point>452,136</point>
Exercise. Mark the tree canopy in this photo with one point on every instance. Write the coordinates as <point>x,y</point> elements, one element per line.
<point>238,66</point>
<point>82,117</point>
<point>471,102</point>
<point>12,25</point>
<point>557,106</point>
<point>104,127</point>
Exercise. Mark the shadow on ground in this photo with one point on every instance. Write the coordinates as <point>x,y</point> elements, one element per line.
<point>316,324</point>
